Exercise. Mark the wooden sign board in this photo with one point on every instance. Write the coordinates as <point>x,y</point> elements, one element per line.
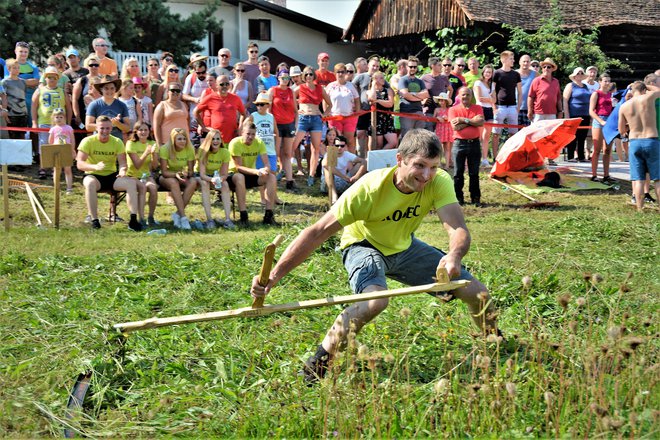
<point>15,152</point>
<point>50,151</point>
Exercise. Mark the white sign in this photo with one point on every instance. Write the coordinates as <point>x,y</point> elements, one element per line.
<point>15,152</point>
<point>381,159</point>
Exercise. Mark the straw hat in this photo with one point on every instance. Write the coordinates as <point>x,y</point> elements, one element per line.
<point>577,71</point>
<point>197,57</point>
<point>52,71</point>
<point>262,98</point>
<point>548,62</point>
<point>442,97</point>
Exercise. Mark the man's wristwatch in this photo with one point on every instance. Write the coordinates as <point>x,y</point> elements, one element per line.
<point>467,121</point>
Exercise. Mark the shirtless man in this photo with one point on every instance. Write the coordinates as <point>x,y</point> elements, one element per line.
<point>637,117</point>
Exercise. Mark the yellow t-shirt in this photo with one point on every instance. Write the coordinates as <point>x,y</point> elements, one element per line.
<point>374,209</point>
<point>248,153</point>
<point>214,161</point>
<point>137,148</point>
<point>179,160</point>
<point>98,151</point>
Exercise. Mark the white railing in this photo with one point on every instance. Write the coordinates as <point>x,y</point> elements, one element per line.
<point>143,59</point>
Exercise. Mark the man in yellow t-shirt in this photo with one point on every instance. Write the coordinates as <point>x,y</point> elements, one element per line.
<point>244,174</point>
<point>98,155</point>
<point>379,214</point>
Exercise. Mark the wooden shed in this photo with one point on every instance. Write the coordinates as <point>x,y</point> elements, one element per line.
<point>629,30</point>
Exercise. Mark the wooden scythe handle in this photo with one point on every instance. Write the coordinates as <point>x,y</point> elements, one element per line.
<point>266,266</point>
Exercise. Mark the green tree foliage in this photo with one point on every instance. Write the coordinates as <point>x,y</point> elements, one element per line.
<point>455,42</point>
<point>568,48</point>
<point>143,26</point>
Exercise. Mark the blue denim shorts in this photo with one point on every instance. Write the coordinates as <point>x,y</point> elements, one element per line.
<point>272,161</point>
<point>310,123</point>
<point>644,156</point>
<point>596,124</point>
<point>367,266</point>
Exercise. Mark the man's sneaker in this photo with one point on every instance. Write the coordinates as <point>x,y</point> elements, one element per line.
<point>210,224</point>
<point>607,180</point>
<point>552,162</point>
<point>243,221</point>
<point>316,366</point>
<point>152,222</point>
<point>310,181</point>
<point>88,218</point>
<point>648,198</point>
<point>134,224</point>
<point>269,218</point>
<point>633,200</point>
<point>485,163</point>
<point>185,223</point>
<point>96,224</point>
<point>176,219</point>
<point>228,224</point>
<point>290,186</point>
<point>594,178</point>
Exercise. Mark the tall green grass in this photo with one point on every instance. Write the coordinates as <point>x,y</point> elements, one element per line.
<point>576,287</point>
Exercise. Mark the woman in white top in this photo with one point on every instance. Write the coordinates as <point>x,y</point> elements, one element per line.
<point>484,94</point>
<point>242,87</point>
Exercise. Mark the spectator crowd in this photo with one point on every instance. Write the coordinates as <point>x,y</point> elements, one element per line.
<point>178,129</point>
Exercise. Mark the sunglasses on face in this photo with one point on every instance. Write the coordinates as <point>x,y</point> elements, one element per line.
<point>224,56</point>
<point>102,45</point>
<point>261,104</point>
<point>535,65</point>
<point>174,70</point>
<point>309,74</point>
<point>239,70</point>
<point>169,59</point>
<point>412,67</point>
<point>547,67</point>
<point>350,71</point>
<point>202,73</point>
<point>223,84</point>
<point>285,78</point>
<point>340,145</point>
<point>153,65</point>
<point>254,51</point>
<point>94,65</point>
<point>446,65</point>
<point>460,65</point>
<point>175,90</point>
<point>340,72</point>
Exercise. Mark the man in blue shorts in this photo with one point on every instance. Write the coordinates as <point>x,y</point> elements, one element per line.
<point>637,117</point>
<point>380,214</point>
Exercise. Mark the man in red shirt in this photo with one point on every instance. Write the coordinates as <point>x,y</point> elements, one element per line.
<point>544,100</point>
<point>465,118</point>
<point>226,111</point>
<point>323,75</point>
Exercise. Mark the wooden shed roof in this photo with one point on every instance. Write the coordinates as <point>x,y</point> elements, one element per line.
<point>375,19</point>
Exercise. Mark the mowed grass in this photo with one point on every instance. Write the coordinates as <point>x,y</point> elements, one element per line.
<point>576,286</point>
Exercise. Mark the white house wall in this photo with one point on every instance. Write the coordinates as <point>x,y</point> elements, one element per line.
<point>296,41</point>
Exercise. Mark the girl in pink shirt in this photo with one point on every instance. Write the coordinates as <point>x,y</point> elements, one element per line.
<point>61,133</point>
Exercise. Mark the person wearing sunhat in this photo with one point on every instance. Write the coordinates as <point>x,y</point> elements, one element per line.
<point>576,105</point>
<point>544,100</point>
<point>108,105</point>
<point>296,77</point>
<point>45,100</point>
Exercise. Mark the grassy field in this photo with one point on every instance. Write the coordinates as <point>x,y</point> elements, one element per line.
<point>577,287</point>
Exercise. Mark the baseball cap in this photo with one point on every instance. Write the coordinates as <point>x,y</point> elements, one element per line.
<point>323,55</point>
<point>72,52</point>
